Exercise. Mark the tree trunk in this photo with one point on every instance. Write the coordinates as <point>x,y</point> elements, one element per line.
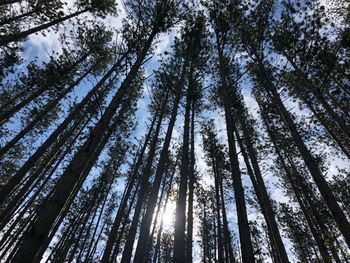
<point>142,197</point>
<point>159,235</point>
<point>218,217</point>
<point>333,134</point>
<point>9,2</point>
<point>243,224</point>
<point>307,84</point>
<point>28,186</point>
<point>75,172</point>
<point>189,237</point>
<point>260,198</point>
<point>227,235</point>
<point>123,204</point>
<point>6,39</point>
<point>17,178</point>
<point>152,200</point>
<point>40,116</point>
<point>293,178</point>
<point>262,194</point>
<point>7,114</point>
<point>18,17</point>
<point>326,192</point>
<point>180,214</point>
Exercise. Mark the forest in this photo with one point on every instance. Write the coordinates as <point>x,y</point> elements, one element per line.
<point>175,131</point>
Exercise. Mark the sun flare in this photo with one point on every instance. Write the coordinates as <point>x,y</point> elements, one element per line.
<point>168,215</point>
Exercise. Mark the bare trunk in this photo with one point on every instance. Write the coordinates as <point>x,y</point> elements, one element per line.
<point>243,224</point>
<point>180,214</point>
<point>152,200</point>
<point>6,39</point>
<point>189,237</point>
<point>122,207</point>
<point>142,196</point>
<point>18,177</point>
<point>75,174</point>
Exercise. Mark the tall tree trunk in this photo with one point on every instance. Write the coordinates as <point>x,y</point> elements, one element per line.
<point>262,195</point>
<point>16,179</point>
<point>18,17</point>
<point>314,169</point>
<point>152,200</point>
<point>259,196</point>
<point>338,138</point>
<point>9,2</point>
<point>189,237</point>
<point>29,185</point>
<point>6,114</point>
<point>40,116</point>
<point>142,196</point>
<point>75,173</point>
<point>243,224</point>
<point>125,222</point>
<point>307,84</point>
<point>78,184</point>
<point>227,235</point>
<point>159,234</point>
<point>123,204</point>
<point>180,214</point>
<point>6,39</point>
<point>218,216</point>
<point>293,179</point>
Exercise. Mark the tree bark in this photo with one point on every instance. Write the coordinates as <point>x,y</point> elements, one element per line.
<point>16,179</point>
<point>75,173</point>
<point>142,196</point>
<point>180,214</point>
<point>243,224</point>
<point>6,39</point>
<point>189,237</point>
<point>152,200</point>
<point>123,204</point>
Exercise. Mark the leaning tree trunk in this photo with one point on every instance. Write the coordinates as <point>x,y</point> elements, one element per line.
<point>180,214</point>
<point>49,106</point>
<point>306,83</point>
<point>293,178</point>
<point>123,204</point>
<point>243,224</point>
<point>262,194</point>
<point>50,210</point>
<point>18,17</point>
<point>9,2</point>
<point>6,39</point>
<point>189,237</point>
<point>142,195</point>
<point>88,165</point>
<point>314,169</point>
<point>39,174</point>
<point>17,178</point>
<point>152,200</point>
<point>6,114</point>
<point>160,231</point>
